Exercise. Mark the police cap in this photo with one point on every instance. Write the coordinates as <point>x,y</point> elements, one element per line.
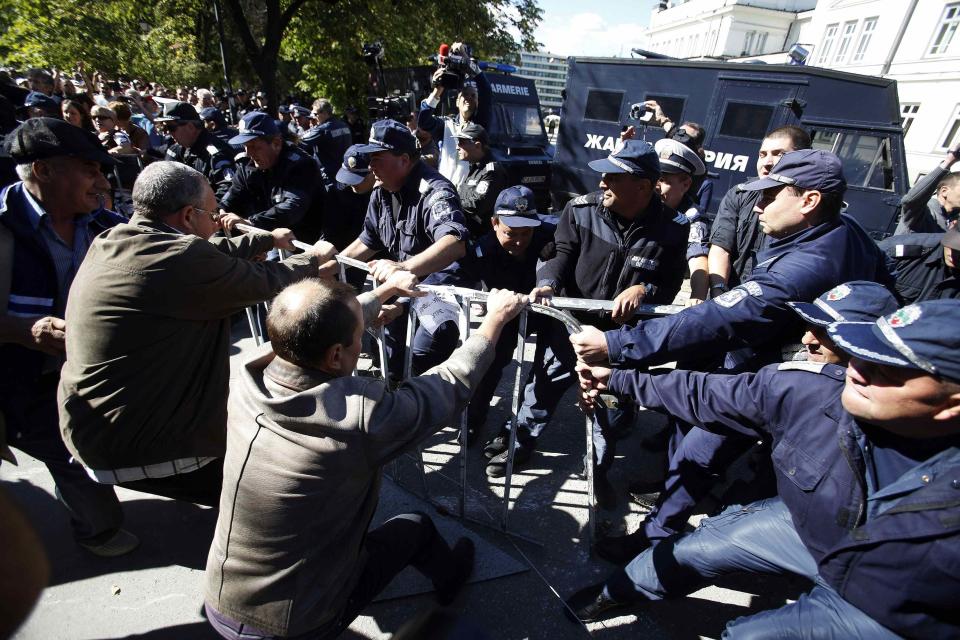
<point>390,135</point>
<point>355,167</point>
<point>515,207</point>
<point>919,336</point>
<point>40,138</point>
<point>299,112</point>
<point>178,112</point>
<point>857,301</point>
<point>813,169</point>
<point>255,124</point>
<point>42,101</point>
<point>635,157</point>
<point>473,131</point>
<point>676,157</point>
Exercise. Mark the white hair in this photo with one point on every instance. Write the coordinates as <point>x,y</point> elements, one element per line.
<point>165,187</point>
<point>25,171</point>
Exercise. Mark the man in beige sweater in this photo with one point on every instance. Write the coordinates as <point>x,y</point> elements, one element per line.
<point>292,555</point>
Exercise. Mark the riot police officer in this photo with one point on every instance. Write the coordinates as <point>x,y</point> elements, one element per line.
<point>926,265</point>
<point>329,138</point>
<point>486,179</point>
<point>216,123</point>
<point>280,186</point>
<point>196,147</point>
<point>416,222</point>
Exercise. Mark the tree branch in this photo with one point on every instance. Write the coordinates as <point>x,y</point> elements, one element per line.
<point>246,36</point>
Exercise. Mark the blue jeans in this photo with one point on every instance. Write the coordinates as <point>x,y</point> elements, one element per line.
<point>549,378</point>
<point>756,538</point>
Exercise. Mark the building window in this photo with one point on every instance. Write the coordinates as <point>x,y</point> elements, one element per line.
<point>829,36</point>
<point>849,28</point>
<point>866,158</point>
<point>908,111</point>
<point>943,36</point>
<point>748,42</point>
<point>866,32</point>
<point>951,136</point>
<point>762,43</point>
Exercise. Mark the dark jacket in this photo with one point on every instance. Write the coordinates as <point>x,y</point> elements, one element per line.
<point>288,195</point>
<point>919,268</point>
<point>754,317</point>
<point>920,211</point>
<point>487,263</point>
<point>893,552</point>
<point>479,191</point>
<point>736,229</point>
<point>209,155</point>
<point>328,142</point>
<point>594,259</point>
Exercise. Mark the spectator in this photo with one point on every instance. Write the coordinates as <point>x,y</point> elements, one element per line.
<point>138,137</point>
<point>75,112</point>
<point>205,99</point>
<point>41,82</point>
<point>143,395</point>
<point>292,555</point>
<point>47,223</point>
<point>926,265</point>
<point>933,204</point>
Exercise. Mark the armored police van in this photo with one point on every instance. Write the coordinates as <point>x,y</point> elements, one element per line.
<point>856,117</point>
<point>510,112</point>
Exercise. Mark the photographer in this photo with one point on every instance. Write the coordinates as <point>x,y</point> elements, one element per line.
<point>443,129</point>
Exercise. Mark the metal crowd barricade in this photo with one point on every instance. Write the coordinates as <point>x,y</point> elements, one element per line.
<point>558,309</point>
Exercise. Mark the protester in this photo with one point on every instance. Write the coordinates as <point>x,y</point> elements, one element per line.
<point>926,265</point>
<point>933,204</point>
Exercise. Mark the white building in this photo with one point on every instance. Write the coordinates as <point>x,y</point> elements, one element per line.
<point>548,72</point>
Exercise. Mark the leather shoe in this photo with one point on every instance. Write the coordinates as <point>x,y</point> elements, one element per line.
<point>622,549</point>
<point>497,467</point>
<point>590,603</point>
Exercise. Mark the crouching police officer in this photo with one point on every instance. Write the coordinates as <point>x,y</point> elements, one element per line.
<point>926,265</point>
<point>197,147</point>
<point>280,187</point>
<point>868,476</point>
<point>486,179</point>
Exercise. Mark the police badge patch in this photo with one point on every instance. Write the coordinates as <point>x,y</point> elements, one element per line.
<point>520,204</point>
<point>352,162</point>
<point>838,293</point>
<point>482,187</point>
<point>903,317</point>
<point>753,289</point>
<point>731,297</point>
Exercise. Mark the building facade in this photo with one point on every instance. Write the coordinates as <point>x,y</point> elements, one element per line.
<point>548,72</point>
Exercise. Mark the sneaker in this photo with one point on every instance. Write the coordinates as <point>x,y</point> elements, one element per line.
<point>462,555</point>
<point>622,549</point>
<point>120,543</point>
<point>497,467</point>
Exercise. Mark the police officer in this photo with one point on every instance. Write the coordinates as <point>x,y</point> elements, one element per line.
<point>40,105</point>
<point>679,166</point>
<point>415,220</point>
<point>813,248</point>
<point>926,265</point>
<point>329,138</point>
<point>196,147</point>
<point>280,186</point>
<point>300,119</point>
<point>867,468</point>
<point>933,203</point>
<point>486,179</point>
<point>354,186</point>
<point>215,123</point>
<point>622,244</point>
<point>506,257</point>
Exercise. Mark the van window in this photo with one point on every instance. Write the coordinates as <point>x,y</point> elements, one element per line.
<point>866,158</point>
<point>672,106</point>
<point>745,120</point>
<point>518,120</point>
<point>603,105</point>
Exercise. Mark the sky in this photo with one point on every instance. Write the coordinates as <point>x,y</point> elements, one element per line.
<point>596,28</point>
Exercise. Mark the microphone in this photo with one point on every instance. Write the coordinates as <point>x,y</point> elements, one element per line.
<point>444,50</point>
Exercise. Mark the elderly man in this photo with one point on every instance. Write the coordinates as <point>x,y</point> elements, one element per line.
<point>144,392</point>
<point>292,555</point>
<point>47,222</point>
<point>281,186</point>
<point>867,465</point>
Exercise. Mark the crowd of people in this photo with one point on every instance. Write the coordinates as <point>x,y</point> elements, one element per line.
<point>830,359</point>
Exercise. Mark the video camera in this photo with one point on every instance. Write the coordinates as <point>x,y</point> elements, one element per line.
<point>641,112</point>
<point>456,66</point>
<point>397,106</point>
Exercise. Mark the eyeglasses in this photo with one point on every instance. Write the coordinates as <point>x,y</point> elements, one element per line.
<point>214,215</point>
<point>101,118</point>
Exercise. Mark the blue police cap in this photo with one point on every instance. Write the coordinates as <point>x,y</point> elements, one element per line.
<point>213,114</point>
<point>255,124</point>
<point>390,135</point>
<point>515,207</point>
<point>355,167</point>
<point>283,109</point>
<point>919,336</point>
<point>635,157</point>
<point>812,169</point>
<point>857,301</point>
<point>299,112</point>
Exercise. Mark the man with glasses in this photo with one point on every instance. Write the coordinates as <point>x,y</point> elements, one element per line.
<point>143,396</point>
<point>196,147</point>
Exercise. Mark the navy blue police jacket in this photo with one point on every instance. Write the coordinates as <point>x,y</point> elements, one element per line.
<point>752,322</point>
<point>892,551</point>
<point>328,142</point>
<point>428,210</point>
<point>33,292</point>
<point>919,268</point>
<point>487,263</point>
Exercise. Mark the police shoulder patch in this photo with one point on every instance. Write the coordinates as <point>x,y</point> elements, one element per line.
<point>731,297</point>
<point>753,288</point>
<point>482,187</point>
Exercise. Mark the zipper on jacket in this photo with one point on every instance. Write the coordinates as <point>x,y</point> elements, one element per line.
<point>862,498</point>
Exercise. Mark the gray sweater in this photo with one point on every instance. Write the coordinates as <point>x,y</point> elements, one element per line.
<point>920,211</point>
<point>301,480</point>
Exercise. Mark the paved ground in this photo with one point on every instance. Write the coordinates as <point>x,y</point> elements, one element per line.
<point>155,592</point>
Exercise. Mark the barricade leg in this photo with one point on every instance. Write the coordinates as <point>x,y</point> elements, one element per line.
<point>464,427</point>
<point>517,383</point>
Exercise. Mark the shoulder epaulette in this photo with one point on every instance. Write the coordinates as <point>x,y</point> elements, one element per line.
<point>424,186</point>
<point>834,371</point>
<point>213,149</point>
<point>585,199</point>
<point>491,166</point>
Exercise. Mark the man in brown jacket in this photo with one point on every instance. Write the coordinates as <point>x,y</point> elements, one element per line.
<point>143,394</point>
<point>292,555</point>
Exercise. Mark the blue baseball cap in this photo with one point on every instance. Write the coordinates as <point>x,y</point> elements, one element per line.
<point>389,135</point>
<point>813,169</point>
<point>919,336</point>
<point>355,167</point>
<point>42,101</point>
<point>255,124</point>
<point>635,157</point>
<point>515,207</point>
<point>857,301</point>
<point>213,114</point>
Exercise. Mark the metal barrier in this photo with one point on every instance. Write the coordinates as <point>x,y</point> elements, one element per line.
<point>462,297</point>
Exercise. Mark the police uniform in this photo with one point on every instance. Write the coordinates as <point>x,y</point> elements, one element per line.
<point>871,518</point>
<point>223,131</point>
<point>209,155</point>
<point>919,268</point>
<point>288,195</point>
<point>676,157</point>
<point>480,188</point>
<point>404,224</point>
<point>328,142</point>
